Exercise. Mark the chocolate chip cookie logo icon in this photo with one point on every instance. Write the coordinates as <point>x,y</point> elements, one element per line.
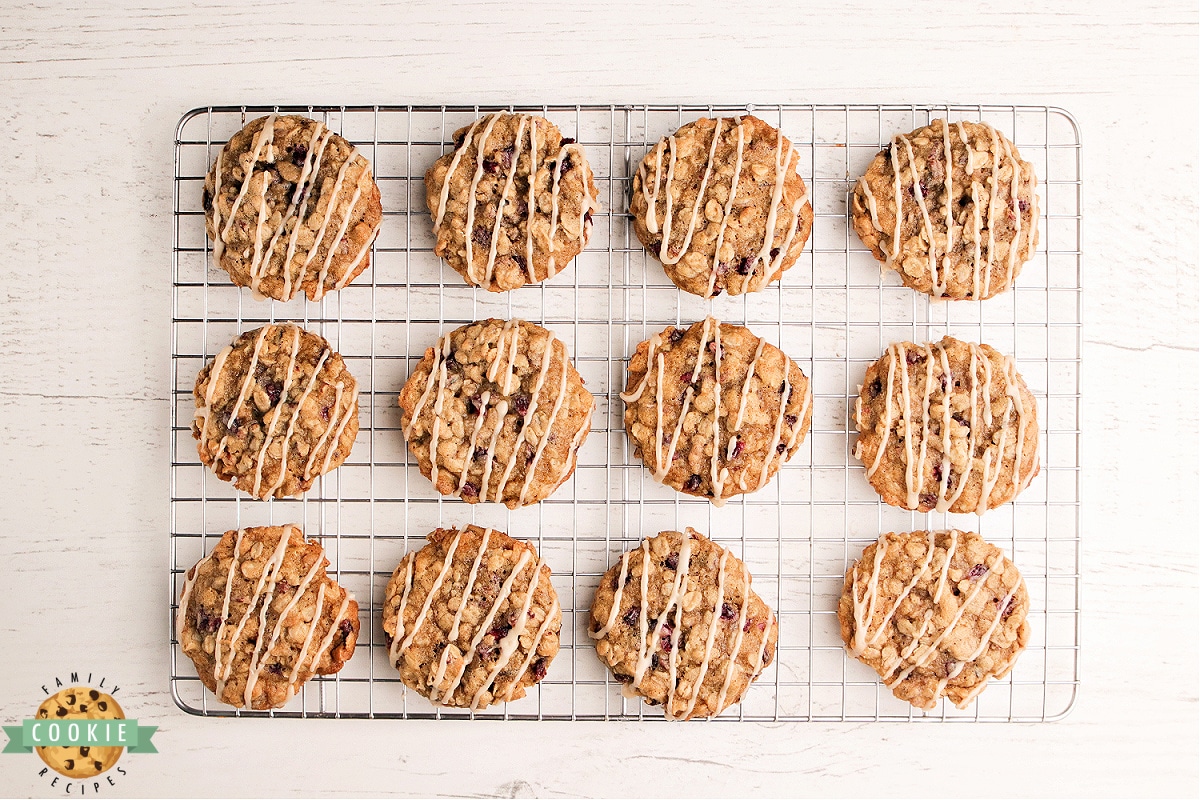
<point>80,732</point>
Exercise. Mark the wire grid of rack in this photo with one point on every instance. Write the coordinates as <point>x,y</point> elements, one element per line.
<point>833,312</point>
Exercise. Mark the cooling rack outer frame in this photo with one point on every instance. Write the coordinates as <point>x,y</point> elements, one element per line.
<point>832,312</point>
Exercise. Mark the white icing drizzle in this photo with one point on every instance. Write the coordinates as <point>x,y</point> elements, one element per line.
<point>646,649</point>
<point>222,672</point>
<point>654,342</point>
<point>948,190</point>
<point>733,186</point>
<point>616,603</point>
<point>454,162</point>
<point>914,473</point>
<point>362,252</point>
<point>662,466</point>
<point>652,199</point>
<point>899,200</point>
<point>1014,189</point>
<point>189,580</point>
<point>268,438</point>
<point>978,220</point>
<point>469,230</point>
<point>511,640</point>
<point>711,640</point>
<point>485,481</point>
<point>256,665</point>
<point>589,203</point>
<point>651,190</point>
<point>981,269</point>
<point>664,250</point>
<point>398,651</point>
<point>335,243</point>
<point>586,205</point>
<point>531,202</point>
<point>503,201</point>
<point>864,612</point>
<point>887,426</point>
<point>339,389</point>
<point>266,135</point>
<point>452,634</point>
<point>300,198</point>
<point>719,473</point>
<point>992,460</point>
<point>294,675</point>
<point>922,656</point>
<point>218,241</point>
<point>505,590</point>
<point>214,374</point>
<point>794,434</point>
<point>335,441</point>
<point>233,563</point>
<point>262,257</point>
<point>394,650</point>
<point>501,370</point>
<point>741,412</point>
<point>774,264</point>
<point>314,665</point>
<point>291,428</point>
<point>547,352</point>
<point>247,382</point>
<point>319,237</point>
<point>919,193</point>
<point>760,661</point>
<point>937,595</point>
<point>537,640</point>
<point>993,191</point>
<point>738,636</point>
<point>493,371</point>
<point>441,351</point>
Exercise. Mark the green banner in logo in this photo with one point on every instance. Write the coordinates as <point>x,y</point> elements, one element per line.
<point>125,733</point>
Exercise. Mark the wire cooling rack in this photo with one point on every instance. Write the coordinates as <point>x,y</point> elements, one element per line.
<point>832,312</point>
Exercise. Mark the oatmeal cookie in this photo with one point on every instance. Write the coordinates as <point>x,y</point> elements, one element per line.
<point>258,616</point>
<point>946,427</point>
<point>513,203</point>
<point>677,623</point>
<point>935,613</point>
<point>289,205</point>
<point>80,702</point>
<point>471,618</point>
<point>275,410</point>
<point>958,228</point>
<point>496,411</point>
<point>713,410</point>
<point>721,204</point>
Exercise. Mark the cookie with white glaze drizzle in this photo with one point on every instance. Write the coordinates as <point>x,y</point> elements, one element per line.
<point>275,410</point>
<point>258,616</point>
<point>721,204</point>
<point>471,618</point>
<point>291,206</point>
<point>935,613</point>
<point>512,203</point>
<point>714,410</point>
<point>957,227</point>
<point>946,426</point>
<point>496,411</point>
<point>676,621</point>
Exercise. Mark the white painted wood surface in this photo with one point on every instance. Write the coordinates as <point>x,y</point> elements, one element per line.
<point>89,95</point>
